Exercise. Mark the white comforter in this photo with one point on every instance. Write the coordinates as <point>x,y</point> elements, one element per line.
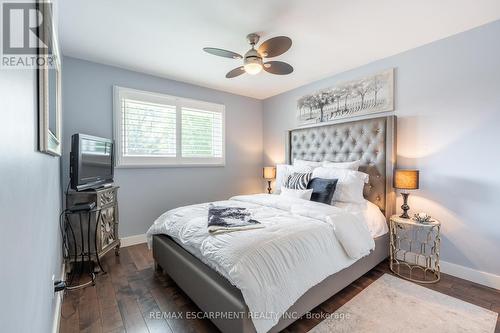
<point>303,242</point>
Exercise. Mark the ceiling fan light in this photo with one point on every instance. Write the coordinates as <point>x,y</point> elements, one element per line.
<point>253,68</point>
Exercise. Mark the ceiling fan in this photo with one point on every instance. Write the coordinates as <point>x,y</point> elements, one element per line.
<point>253,59</point>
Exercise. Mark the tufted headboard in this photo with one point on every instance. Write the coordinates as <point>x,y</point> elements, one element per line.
<point>371,140</point>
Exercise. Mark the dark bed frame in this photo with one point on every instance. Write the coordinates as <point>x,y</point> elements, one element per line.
<point>371,140</point>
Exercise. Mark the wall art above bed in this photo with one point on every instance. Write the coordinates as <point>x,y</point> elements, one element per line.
<point>371,94</point>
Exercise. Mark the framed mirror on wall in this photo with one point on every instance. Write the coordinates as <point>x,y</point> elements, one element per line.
<point>49,83</point>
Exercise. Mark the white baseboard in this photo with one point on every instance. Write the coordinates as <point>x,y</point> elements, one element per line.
<point>59,300</point>
<point>133,240</point>
<point>466,273</point>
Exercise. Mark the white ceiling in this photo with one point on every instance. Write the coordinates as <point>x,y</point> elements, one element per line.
<point>165,38</point>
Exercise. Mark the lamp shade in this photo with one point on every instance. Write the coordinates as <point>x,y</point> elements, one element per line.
<point>406,179</point>
<point>269,172</point>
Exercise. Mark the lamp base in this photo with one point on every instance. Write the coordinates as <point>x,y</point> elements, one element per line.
<point>269,187</point>
<point>405,206</point>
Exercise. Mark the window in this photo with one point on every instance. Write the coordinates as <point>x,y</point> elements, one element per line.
<point>153,129</point>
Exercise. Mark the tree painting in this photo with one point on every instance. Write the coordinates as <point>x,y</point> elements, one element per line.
<point>306,104</point>
<point>371,94</point>
<point>322,99</point>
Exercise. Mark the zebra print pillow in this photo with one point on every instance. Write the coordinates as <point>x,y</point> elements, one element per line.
<point>298,181</point>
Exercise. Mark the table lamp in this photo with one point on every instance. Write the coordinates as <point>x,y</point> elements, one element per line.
<point>405,180</point>
<point>269,173</point>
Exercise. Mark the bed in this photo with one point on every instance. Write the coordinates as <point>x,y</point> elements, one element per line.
<point>372,141</point>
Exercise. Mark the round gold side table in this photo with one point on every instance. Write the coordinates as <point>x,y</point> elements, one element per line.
<point>414,249</point>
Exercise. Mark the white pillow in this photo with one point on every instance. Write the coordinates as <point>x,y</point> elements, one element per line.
<point>353,165</point>
<point>300,194</point>
<point>303,163</point>
<point>349,186</point>
<point>285,170</point>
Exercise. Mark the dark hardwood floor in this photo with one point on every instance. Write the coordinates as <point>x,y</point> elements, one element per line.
<point>124,298</point>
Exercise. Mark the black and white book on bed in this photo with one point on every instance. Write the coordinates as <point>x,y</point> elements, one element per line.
<point>226,219</point>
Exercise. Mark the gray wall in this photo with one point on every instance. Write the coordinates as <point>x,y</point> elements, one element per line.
<point>30,200</point>
<point>147,193</point>
<point>448,108</point>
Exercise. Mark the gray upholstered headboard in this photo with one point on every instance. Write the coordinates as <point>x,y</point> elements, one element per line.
<point>371,140</point>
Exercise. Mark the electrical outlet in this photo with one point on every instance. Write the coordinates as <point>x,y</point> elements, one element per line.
<point>53,279</point>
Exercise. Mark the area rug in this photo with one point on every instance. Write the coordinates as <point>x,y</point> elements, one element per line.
<point>391,304</point>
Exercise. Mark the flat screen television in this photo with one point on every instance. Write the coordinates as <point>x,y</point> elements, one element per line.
<point>91,162</point>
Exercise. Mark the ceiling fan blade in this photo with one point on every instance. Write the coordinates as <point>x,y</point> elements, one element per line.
<point>222,53</point>
<point>275,46</point>
<point>278,67</point>
<point>235,72</point>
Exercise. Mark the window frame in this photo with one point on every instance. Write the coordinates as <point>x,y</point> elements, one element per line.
<point>122,161</point>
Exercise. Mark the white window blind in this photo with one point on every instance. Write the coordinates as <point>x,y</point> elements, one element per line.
<point>154,130</point>
<point>201,133</point>
<point>148,129</point>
